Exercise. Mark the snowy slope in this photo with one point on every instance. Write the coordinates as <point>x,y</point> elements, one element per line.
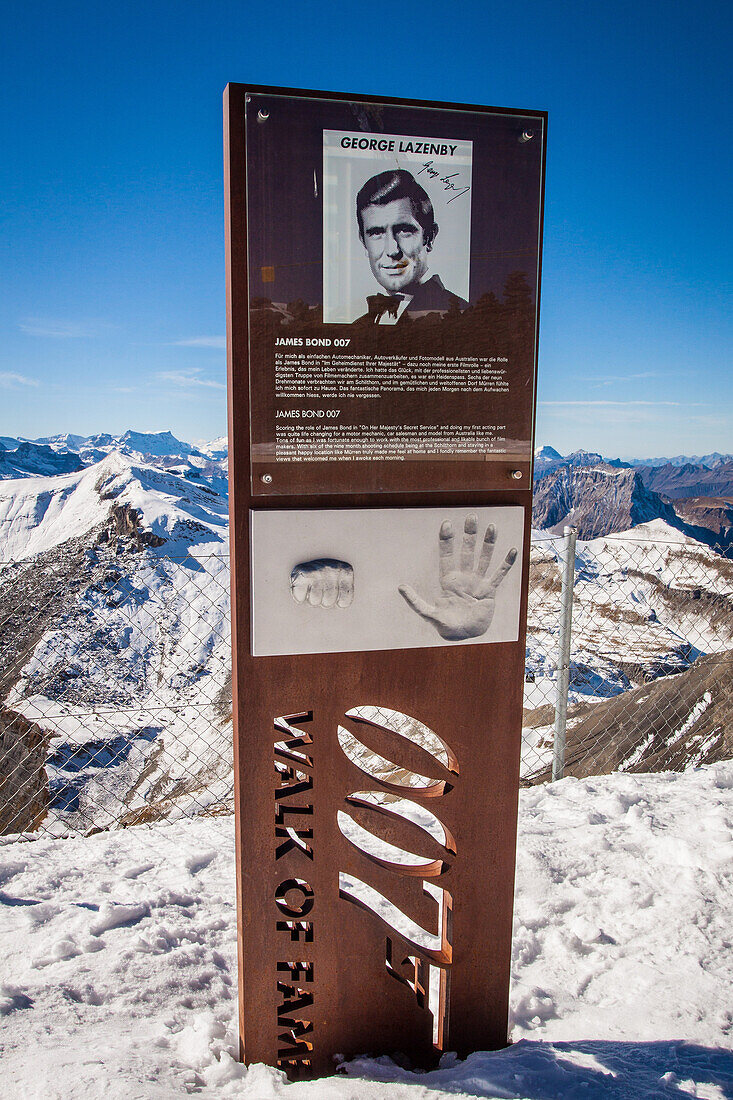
<point>215,448</point>
<point>119,655</point>
<point>118,972</point>
<point>646,604</point>
<point>642,597</point>
<point>37,514</point>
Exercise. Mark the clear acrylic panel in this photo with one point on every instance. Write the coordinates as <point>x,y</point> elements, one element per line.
<point>393,261</point>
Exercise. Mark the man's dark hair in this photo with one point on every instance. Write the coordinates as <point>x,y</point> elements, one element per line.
<point>398,184</point>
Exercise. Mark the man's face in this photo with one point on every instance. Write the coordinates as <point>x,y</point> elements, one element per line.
<point>395,244</point>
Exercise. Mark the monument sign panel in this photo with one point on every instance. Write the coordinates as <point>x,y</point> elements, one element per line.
<point>382,287</point>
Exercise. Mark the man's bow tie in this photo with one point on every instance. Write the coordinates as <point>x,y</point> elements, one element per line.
<point>380,304</point>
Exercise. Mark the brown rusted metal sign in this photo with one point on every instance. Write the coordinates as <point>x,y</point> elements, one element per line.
<point>383,284</point>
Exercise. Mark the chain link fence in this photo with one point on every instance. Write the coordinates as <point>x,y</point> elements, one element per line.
<point>115,680</point>
<point>115,675</point>
<point>646,684</point>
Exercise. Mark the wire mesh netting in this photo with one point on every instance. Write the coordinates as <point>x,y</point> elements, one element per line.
<point>115,679</point>
<point>649,685</point>
<point>115,675</point>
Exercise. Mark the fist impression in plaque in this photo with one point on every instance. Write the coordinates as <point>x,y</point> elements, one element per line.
<point>398,229</point>
<point>466,604</point>
<point>323,582</point>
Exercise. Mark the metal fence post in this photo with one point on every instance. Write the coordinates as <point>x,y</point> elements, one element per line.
<point>563,664</point>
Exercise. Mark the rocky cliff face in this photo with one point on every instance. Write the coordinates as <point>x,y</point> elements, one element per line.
<point>689,480</point>
<point>597,500</point>
<point>34,459</point>
<point>713,513</point>
<point>674,724</point>
<point>31,600</point>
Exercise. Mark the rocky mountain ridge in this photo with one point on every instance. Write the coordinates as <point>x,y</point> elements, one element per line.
<point>690,479</point>
<point>65,453</point>
<point>596,500</point>
<point>696,498</point>
<point>547,460</point>
<point>671,724</point>
<point>34,459</point>
<point>710,460</point>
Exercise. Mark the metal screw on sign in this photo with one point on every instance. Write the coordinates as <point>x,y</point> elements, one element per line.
<point>526,136</point>
<point>267,478</point>
<point>263,115</point>
<point>516,475</point>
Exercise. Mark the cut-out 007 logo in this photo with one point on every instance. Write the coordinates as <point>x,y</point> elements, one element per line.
<point>386,807</point>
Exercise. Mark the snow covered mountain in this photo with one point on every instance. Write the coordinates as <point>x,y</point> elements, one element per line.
<point>114,665</point>
<point>156,444</point>
<point>216,449</point>
<point>65,452</point>
<point>66,441</point>
<point>546,452</point>
<point>41,513</point>
<point>710,460</point>
<point>596,499</point>
<point>547,459</point>
<point>114,600</point>
<point>32,459</point>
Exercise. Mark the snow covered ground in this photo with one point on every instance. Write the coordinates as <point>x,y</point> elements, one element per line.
<point>118,971</point>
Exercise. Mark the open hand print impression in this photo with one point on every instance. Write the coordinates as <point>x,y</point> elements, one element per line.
<point>467,600</point>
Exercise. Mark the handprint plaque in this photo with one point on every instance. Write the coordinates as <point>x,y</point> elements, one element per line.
<point>330,581</point>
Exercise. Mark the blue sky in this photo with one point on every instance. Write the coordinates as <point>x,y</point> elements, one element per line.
<point>112,244</point>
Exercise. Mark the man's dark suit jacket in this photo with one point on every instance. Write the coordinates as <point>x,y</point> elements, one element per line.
<point>428,297</point>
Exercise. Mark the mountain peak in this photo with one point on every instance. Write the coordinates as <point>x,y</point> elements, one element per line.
<point>598,499</point>
<point>156,443</point>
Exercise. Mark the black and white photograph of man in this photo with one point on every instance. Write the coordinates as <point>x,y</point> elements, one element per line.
<point>396,227</point>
